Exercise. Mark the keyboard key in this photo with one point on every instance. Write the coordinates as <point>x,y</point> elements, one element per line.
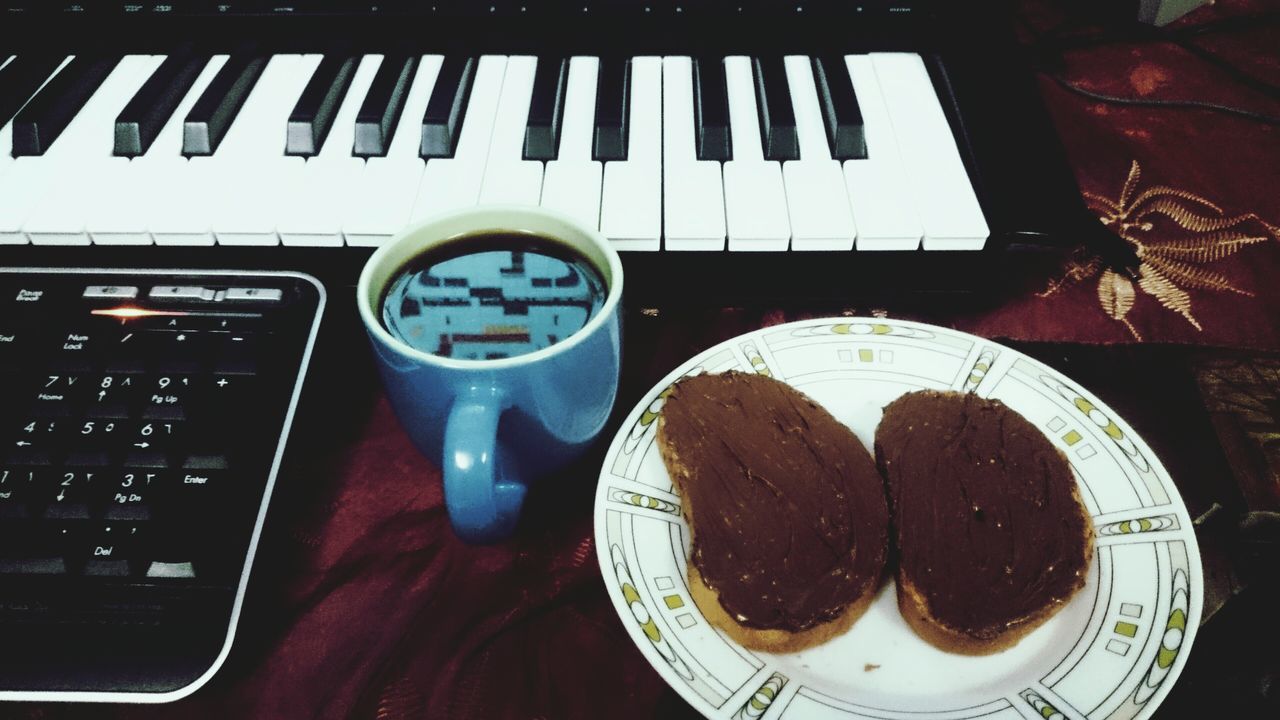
<point>84,458</point>
<point>47,115</point>
<point>99,567</point>
<point>46,195</point>
<point>384,196</point>
<point>16,486</point>
<point>203,462</point>
<point>777,119</point>
<point>145,459</point>
<point>159,569</point>
<point>631,197</point>
<point>211,116</point>
<point>612,111</point>
<point>454,182</point>
<point>572,182</point>
<point>693,191</point>
<point>840,112</point>
<point>817,200</point>
<point>382,106</point>
<point>310,212</point>
<point>34,434</point>
<point>312,118</point>
<point>23,453</point>
<point>711,110</point>
<point>150,109</point>
<point>443,119</point>
<point>250,174</point>
<point>546,109</point>
<point>754,198</point>
<point>123,213</point>
<point>508,177</point>
<point>879,195</point>
<point>33,566</point>
<point>111,541</point>
<point>940,189</point>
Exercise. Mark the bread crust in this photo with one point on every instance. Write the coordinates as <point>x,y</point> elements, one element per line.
<point>770,640</point>
<point>914,608</point>
<point>708,600</point>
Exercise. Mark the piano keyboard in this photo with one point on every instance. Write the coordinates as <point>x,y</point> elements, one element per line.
<point>840,153</point>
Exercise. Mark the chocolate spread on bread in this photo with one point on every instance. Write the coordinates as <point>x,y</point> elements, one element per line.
<point>988,525</point>
<point>786,509</point>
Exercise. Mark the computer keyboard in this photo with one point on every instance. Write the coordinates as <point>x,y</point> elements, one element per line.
<point>143,417</point>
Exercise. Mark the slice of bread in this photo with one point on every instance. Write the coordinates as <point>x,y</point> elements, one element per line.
<point>787,515</point>
<point>991,534</point>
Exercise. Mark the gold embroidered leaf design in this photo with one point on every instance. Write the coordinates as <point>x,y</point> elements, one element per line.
<point>1106,203</point>
<point>1116,294</point>
<point>1209,247</point>
<point>1130,184</point>
<point>1176,211</point>
<point>1171,296</point>
<point>1195,277</point>
<point>1164,191</point>
<point>1194,232</point>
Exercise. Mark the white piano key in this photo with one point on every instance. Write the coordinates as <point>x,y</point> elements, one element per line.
<point>311,211</point>
<point>6,146</point>
<point>816,196</point>
<point>944,197</point>
<point>384,197</point>
<point>257,175</point>
<point>693,193</point>
<point>508,178</point>
<point>61,216</point>
<point>755,201</point>
<point>454,183</point>
<point>572,181</point>
<point>879,196</point>
<point>631,195</point>
<point>120,213</point>
<point>188,215</point>
<point>26,181</point>
<point>45,179</point>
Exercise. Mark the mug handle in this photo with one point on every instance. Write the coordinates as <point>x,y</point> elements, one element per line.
<point>480,490</point>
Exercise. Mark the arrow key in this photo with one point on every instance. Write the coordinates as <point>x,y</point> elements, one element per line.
<point>36,434</point>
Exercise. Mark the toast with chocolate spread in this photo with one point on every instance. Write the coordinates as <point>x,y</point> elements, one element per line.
<point>991,534</point>
<point>786,511</point>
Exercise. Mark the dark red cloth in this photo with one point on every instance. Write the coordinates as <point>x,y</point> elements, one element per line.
<point>366,605</point>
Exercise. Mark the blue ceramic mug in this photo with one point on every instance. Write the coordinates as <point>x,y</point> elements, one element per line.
<point>496,425</point>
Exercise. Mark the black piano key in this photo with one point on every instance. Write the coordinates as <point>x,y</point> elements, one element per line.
<point>211,116</point>
<point>777,117</point>
<point>840,110</point>
<point>39,124</point>
<point>711,110</point>
<point>613,90</point>
<point>447,107</point>
<point>142,119</point>
<point>377,118</point>
<point>20,80</point>
<point>546,109</point>
<point>312,118</point>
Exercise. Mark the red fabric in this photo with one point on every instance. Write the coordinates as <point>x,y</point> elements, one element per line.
<point>367,606</point>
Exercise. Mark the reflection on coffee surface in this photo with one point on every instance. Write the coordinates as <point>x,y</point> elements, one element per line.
<point>492,295</point>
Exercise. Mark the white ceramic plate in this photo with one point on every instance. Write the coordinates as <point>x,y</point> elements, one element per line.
<point>1112,653</point>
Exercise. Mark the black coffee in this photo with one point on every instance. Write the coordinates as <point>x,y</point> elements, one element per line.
<point>492,295</point>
